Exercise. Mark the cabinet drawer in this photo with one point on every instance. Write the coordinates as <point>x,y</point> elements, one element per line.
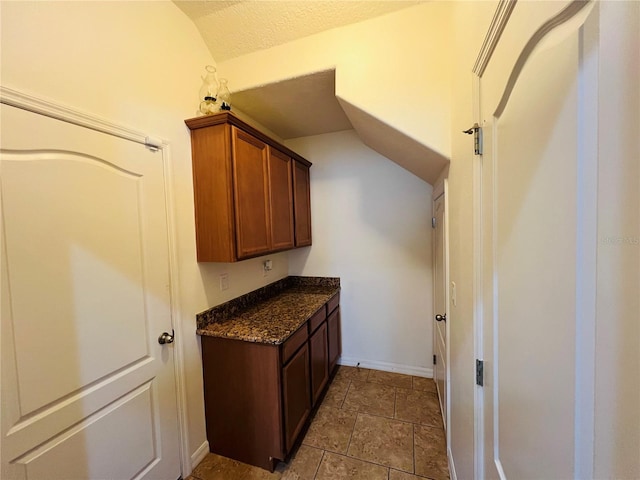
<point>294,342</point>
<point>333,303</point>
<point>317,319</point>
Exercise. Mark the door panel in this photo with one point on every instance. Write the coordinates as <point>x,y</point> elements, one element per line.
<point>281,196</point>
<point>302,204</point>
<point>251,196</point>
<point>530,173</point>
<point>85,282</point>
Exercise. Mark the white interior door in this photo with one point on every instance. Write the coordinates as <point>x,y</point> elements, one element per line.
<point>535,96</point>
<point>440,302</point>
<point>87,391</point>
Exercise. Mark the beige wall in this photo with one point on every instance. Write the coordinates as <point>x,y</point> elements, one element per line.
<point>371,227</point>
<point>137,64</point>
<point>395,67</point>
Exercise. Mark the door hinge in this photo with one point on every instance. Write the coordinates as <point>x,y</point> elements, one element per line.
<point>476,131</point>
<point>433,222</point>
<point>434,359</point>
<point>479,372</point>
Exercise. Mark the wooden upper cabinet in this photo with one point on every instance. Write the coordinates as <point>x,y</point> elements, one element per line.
<point>281,198</point>
<point>302,204</point>
<point>246,186</point>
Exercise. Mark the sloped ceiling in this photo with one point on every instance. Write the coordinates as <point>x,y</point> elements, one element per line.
<point>234,28</point>
<point>305,105</point>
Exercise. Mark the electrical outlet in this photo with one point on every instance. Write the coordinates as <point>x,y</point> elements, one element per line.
<point>267,266</point>
<point>224,281</point>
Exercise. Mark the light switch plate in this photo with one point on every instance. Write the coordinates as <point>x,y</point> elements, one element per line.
<point>453,293</point>
<point>224,281</point>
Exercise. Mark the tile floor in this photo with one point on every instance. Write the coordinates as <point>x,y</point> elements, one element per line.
<point>371,425</point>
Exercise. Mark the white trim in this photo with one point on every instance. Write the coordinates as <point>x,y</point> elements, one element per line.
<point>477,292</point>
<point>387,367</point>
<point>57,111</point>
<point>586,247</point>
<point>448,311</point>
<point>199,454</point>
<point>498,23</point>
<point>24,101</point>
<point>452,467</point>
<point>174,285</point>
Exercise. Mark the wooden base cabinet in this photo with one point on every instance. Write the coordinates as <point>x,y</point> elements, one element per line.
<point>258,397</point>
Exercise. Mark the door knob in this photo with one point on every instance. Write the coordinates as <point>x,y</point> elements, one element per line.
<point>440,318</point>
<point>166,337</point>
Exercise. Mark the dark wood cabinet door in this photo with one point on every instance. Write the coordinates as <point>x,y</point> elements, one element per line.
<point>302,204</point>
<point>319,361</point>
<point>281,196</point>
<point>251,195</point>
<point>296,395</point>
<point>335,340</point>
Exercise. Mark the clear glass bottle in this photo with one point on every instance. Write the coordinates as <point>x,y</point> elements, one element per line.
<point>224,95</point>
<point>209,91</point>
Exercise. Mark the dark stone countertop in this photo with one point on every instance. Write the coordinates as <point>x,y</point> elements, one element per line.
<point>270,314</point>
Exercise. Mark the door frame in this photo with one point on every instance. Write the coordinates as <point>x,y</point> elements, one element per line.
<point>39,105</point>
<point>441,189</point>
<point>586,217</point>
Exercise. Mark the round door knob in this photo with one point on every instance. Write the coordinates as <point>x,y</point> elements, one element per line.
<point>441,318</point>
<point>166,337</point>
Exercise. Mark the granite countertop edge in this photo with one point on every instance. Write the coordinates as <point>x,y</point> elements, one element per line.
<point>271,314</point>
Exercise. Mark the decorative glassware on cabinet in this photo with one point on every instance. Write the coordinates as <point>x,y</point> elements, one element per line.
<point>224,95</point>
<point>209,91</point>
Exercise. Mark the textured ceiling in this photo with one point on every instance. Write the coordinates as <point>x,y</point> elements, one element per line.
<point>234,28</point>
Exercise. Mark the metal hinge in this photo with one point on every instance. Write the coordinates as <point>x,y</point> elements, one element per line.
<point>479,372</point>
<point>476,131</point>
<point>433,222</point>
<point>434,359</point>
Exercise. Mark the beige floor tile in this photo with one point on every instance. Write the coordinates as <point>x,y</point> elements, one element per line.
<point>391,379</point>
<point>353,373</point>
<point>418,407</point>
<point>337,467</point>
<point>383,441</point>
<point>336,392</point>
<point>431,452</point>
<point>215,467</point>
<point>303,465</point>
<point>398,475</point>
<point>255,473</point>
<point>371,398</point>
<point>424,384</point>
<point>330,429</point>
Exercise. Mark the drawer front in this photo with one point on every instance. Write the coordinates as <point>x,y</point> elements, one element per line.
<point>317,319</point>
<point>333,303</point>
<point>294,342</point>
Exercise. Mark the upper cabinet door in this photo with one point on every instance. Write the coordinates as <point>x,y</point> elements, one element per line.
<point>281,197</point>
<point>251,194</point>
<point>302,204</point>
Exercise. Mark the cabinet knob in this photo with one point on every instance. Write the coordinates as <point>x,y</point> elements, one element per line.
<point>441,318</point>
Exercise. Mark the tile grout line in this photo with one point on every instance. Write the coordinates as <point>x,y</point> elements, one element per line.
<point>413,446</point>
<point>315,475</point>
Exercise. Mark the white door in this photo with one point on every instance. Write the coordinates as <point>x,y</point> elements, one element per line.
<point>439,321</point>
<point>534,98</point>
<point>87,391</point>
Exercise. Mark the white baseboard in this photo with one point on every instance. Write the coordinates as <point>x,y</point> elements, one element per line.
<point>199,454</point>
<point>387,367</point>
